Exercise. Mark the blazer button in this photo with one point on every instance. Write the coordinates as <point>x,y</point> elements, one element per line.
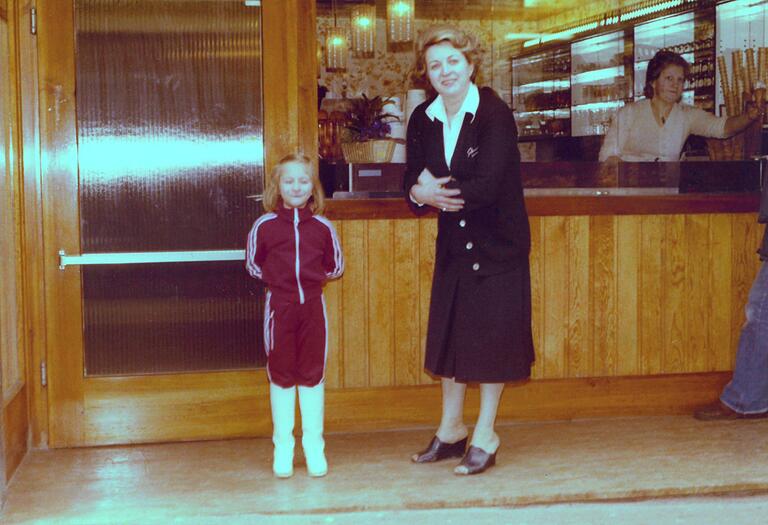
<point>462,223</point>
<point>476,266</point>
<point>469,245</point>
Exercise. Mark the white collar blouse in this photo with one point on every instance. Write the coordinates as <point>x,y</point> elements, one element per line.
<point>452,126</point>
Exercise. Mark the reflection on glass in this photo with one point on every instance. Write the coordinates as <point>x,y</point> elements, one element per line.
<point>541,95</point>
<point>599,81</point>
<point>170,147</point>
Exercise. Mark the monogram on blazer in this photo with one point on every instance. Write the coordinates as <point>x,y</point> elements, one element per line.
<point>486,168</point>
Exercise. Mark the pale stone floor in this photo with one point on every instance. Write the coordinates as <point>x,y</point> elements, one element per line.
<point>603,471</point>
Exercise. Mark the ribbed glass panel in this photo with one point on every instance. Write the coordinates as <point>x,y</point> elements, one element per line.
<point>170,147</point>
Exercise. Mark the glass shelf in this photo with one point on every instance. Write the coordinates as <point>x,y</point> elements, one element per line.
<point>599,80</point>
<point>541,93</point>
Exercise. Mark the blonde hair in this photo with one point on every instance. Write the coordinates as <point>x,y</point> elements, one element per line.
<point>461,40</point>
<point>272,198</point>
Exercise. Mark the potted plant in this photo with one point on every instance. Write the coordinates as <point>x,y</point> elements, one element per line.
<point>365,137</point>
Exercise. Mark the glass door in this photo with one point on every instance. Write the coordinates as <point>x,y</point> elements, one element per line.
<point>170,148</point>
<point>153,163</point>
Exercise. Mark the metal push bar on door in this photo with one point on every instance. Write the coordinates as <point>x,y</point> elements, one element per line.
<point>148,257</point>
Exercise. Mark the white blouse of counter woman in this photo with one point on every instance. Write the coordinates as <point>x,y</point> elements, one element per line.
<point>634,134</point>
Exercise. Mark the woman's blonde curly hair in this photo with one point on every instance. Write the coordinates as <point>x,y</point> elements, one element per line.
<point>272,199</point>
<point>461,40</point>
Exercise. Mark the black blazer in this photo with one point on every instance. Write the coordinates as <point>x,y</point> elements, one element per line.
<point>486,168</point>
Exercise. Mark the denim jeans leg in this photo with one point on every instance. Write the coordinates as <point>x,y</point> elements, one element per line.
<point>747,392</point>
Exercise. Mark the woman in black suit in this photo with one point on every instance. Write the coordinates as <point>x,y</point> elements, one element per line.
<point>463,160</point>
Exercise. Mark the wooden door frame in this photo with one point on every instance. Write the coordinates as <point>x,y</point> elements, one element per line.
<point>134,409</point>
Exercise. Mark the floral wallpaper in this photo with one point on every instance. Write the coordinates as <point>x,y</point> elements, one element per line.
<point>387,73</point>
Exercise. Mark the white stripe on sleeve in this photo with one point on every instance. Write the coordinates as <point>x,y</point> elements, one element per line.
<point>250,253</point>
<point>338,257</point>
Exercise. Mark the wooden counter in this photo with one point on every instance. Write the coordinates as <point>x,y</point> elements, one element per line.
<point>565,205</point>
<point>637,307</point>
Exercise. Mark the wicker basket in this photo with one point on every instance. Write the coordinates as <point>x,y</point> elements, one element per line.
<point>369,152</point>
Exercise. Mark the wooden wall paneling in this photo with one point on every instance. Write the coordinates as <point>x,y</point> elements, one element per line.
<point>381,303</point>
<point>720,282</point>
<point>307,77</point>
<point>652,269</point>
<point>603,302</point>
<point>13,388</point>
<point>60,208</point>
<point>741,276</point>
<point>579,338</point>
<point>555,297</point>
<point>407,354</point>
<point>537,286</point>
<point>17,194</point>
<point>698,301</point>
<point>427,237</point>
<point>355,304</point>
<point>9,305</point>
<point>15,427</point>
<point>334,359</point>
<point>628,292</point>
<point>34,254</point>
<point>369,409</point>
<point>289,73</point>
<point>674,295</point>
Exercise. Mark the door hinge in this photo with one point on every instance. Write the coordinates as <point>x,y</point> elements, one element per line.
<point>33,20</point>
<point>43,374</point>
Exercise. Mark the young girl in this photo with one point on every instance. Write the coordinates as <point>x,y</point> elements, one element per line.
<point>294,250</point>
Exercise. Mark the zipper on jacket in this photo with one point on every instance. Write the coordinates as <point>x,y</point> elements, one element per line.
<point>298,264</point>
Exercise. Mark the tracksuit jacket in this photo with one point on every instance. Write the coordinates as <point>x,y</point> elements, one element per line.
<point>294,252</point>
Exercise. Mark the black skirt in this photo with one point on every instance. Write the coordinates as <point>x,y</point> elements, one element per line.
<point>480,326</point>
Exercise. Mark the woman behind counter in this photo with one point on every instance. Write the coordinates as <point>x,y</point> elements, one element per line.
<point>655,128</point>
<point>462,159</point>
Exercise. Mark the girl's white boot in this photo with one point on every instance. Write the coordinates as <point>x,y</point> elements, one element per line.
<point>283,402</point>
<point>312,404</point>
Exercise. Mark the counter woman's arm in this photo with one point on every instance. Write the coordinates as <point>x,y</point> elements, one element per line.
<point>741,122</point>
<point>706,124</point>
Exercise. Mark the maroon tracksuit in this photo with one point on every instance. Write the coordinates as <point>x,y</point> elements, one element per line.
<point>294,252</point>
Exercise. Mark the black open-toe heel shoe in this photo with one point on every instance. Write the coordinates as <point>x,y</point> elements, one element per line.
<point>476,460</point>
<point>437,450</point>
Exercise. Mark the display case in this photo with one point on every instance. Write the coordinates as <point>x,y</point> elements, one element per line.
<point>601,82</point>
<point>541,94</point>
<point>692,36</point>
<point>742,26</point>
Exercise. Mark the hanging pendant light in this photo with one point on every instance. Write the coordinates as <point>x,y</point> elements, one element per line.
<point>336,45</point>
<point>400,15</point>
<point>363,29</point>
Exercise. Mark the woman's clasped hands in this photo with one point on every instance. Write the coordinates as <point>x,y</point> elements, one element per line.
<point>432,191</point>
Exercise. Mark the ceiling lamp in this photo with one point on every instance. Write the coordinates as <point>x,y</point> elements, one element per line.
<point>336,46</point>
<point>363,29</point>
<point>400,20</point>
